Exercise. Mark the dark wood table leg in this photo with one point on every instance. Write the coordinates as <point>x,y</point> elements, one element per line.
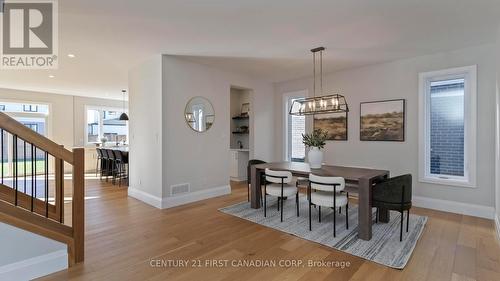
<point>384,214</point>
<point>256,186</point>
<point>365,209</point>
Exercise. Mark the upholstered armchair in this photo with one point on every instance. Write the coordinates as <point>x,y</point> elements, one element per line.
<point>394,194</point>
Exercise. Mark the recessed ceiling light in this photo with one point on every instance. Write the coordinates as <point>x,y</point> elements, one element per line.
<point>71,55</point>
<point>51,76</point>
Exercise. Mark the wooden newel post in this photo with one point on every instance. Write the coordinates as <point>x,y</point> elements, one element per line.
<point>78,204</point>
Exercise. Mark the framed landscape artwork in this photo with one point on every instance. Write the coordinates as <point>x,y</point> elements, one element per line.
<point>333,123</point>
<point>382,120</point>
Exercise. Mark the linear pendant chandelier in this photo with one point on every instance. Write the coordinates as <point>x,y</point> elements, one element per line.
<point>321,104</point>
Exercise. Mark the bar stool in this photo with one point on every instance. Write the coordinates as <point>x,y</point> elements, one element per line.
<point>109,163</point>
<point>100,157</point>
<point>119,170</point>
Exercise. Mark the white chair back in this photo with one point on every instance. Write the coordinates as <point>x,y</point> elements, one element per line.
<point>286,174</point>
<point>326,183</point>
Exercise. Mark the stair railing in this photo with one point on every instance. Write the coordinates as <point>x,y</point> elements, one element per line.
<point>32,186</point>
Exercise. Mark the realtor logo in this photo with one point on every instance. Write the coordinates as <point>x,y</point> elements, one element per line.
<point>29,34</point>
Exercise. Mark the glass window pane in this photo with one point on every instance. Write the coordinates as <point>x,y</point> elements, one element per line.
<point>114,129</point>
<point>26,108</point>
<point>447,127</point>
<point>92,126</point>
<point>298,127</point>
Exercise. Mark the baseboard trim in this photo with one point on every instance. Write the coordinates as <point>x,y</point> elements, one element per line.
<point>497,227</point>
<point>454,207</point>
<point>174,201</point>
<point>145,197</point>
<point>237,179</point>
<point>35,267</point>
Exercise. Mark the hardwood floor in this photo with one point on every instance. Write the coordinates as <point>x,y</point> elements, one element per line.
<point>123,235</point>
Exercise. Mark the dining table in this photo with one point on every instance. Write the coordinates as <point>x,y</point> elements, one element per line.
<point>361,178</point>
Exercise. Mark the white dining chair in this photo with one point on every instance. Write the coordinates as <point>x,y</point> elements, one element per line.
<point>328,192</point>
<point>278,184</point>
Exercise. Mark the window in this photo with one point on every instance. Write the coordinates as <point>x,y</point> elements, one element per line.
<point>30,108</point>
<point>32,126</point>
<point>36,121</point>
<point>18,107</point>
<point>103,123</point>
<point>295,126</point>
<point>447,130</point>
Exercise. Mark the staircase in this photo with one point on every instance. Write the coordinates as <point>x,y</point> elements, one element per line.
<point>35,193</point>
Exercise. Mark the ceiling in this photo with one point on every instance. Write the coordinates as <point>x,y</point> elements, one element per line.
<point>266,39</point>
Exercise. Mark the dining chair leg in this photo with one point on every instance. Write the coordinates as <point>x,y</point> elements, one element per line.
<point>248,193</point>
<point>334,224</point>
<point>281,210</point>
<point>278,204</point>
<point>297,202</point>
<point>106,172</point>
<point>118,174</point>
<point>376,215</point>
<point>347,216</point>
<point>334,213</point>
<point>310,223</point>
<point>401,228</point>
<point>319,213</point>
<point>97,167</point>
<point>408,220</point>
<point>282,203</point>
<point>340,210</point>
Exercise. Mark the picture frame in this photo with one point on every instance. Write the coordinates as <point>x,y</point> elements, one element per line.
<point>382,120</point>
<point>335,124</point>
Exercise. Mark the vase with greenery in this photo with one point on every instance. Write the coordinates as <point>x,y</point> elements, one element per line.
<point>103,141</point>
<point>315,141</point>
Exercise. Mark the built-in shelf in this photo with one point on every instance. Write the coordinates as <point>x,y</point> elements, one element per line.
<point>241,118</point>
<point>241,133</point>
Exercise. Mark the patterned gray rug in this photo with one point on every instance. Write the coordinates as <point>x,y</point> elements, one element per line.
<point>384,247</point>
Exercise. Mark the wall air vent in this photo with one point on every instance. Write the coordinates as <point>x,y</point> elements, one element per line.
<point>177,189</point>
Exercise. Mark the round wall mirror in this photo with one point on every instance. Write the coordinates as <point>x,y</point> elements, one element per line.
<point>199,114</point>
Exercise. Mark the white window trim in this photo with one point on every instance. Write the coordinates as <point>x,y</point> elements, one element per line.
<point>470,126</point>
<point>99,108</point>
<point>286,113</point>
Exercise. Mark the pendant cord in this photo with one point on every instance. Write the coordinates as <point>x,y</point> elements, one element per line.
<point>321,72</point>
<point>123,98</point>
<point>314,74</point>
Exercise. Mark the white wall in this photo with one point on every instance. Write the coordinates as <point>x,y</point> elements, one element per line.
<point>26,256</point>
<point>202,159</point>
<point>145,126</point>
<point>497,137</point>
<point>165,151</point>
<point>399,79</point>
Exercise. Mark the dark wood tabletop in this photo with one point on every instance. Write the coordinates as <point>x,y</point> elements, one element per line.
<point>348,173</point>
<point>363,178</point>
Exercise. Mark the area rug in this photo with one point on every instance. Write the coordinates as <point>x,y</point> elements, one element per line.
<point>384,247</point>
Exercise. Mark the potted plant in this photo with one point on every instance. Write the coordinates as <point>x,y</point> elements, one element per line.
<point>103,142</point>
<point>315,142</point>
